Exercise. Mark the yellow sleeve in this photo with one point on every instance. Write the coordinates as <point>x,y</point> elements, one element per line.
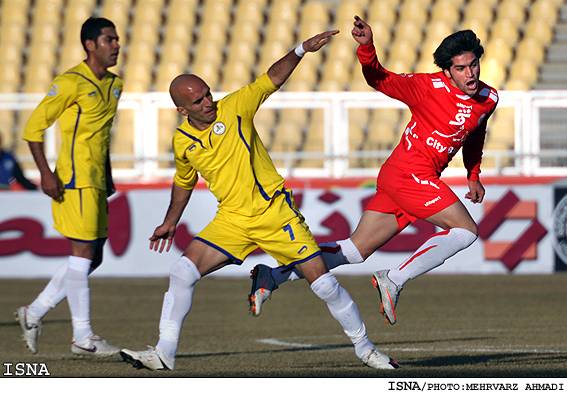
<point>251,96</point>
<point>185,175</point>
<point>61,95</point>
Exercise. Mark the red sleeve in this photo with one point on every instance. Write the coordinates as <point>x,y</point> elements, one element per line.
<point>407,88</point>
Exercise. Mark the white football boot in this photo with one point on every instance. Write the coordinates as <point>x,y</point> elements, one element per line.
<point>153,359</point>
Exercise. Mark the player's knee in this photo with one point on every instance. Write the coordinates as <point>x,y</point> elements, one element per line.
<point>184,272</point>
<point>466,237</point>
<point>326,287</point>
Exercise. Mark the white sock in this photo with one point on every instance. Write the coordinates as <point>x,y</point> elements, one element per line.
<point>344,310</point>
<point>176,304</point>
<point>438,248</point>
<point>335,254</point>
<point>78,296</point>
<point>51,296</point>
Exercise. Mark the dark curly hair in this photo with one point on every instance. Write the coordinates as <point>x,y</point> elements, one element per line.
<point>454,45</point>
<point>92,29</point>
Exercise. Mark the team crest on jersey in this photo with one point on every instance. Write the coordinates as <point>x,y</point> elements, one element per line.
<point>219,128</point>
<point>116,93</point>
<point>53,90</point>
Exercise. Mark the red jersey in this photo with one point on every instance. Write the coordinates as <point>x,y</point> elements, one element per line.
<point>443,117</point>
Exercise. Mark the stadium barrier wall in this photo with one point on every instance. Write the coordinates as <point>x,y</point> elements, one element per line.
<point>521,224</point>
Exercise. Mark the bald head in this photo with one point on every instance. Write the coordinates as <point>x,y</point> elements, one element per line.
<point>183,87</point>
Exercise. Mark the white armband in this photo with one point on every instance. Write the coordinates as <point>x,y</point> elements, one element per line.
<point>299,51</point>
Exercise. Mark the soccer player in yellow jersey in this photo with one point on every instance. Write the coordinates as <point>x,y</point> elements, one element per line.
<point>218,140</point>
<point>84,100</point>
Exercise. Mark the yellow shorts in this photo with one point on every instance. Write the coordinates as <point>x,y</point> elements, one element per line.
<point>82,214</point>
<point>280,231</point>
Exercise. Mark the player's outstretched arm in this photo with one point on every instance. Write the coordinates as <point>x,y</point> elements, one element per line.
<point>361,31</point>
<point>280,71</point>
<point>164,233</point>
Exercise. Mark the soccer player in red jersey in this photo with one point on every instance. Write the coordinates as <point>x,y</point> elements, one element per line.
<point>449,110</point>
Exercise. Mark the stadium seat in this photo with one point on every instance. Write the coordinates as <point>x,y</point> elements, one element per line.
<point>44,33</point>
<point>167,71</point>
<point>284,11</point>
<point>505,29</point>
<point>235,76</point>
<point>408,32</point>
<point>479,11</point>
<point>138,77</point>
<point>278,31</point>
<point>38,77</point>
<point>314,13</point>
<point>336,70</point>
<point>47,11</point>
<point>414,11</point>
<point>208,72</point>
<point>10,54</point>
<point>264,122</point>
<point>288,137</point>
<point>249,11</point>
<point>402,50</point>
<point>14,32</point>
<point>241,52</point>
<point>530,48</point>
<point>525,70</point>
<point>142,53</point>
<point>182,11</point>
<point>342,50</point>
<point>357,83</point>
<point>445,10</point>
<point>217,12</point>
<point>540,30</point>
<point>346,10</point>
<point>10,77</point>
<point>381,12</point>
<point>493,72</point>
<point>303,79</point>
<point>69,56</point>
<point>178,31</point>
<point>332,85</point>
<point>245,32</point>
<point>511,9</point>
<point>545,10</point>
<point>148,12</point>
<point>212,32</point>
<point>144,32</point>
<point>500,50</point>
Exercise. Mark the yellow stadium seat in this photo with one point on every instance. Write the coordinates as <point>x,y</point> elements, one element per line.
<point>288,137</point>
<point>182,11</point>
<point>264,121</point>
<point>245,32</point>
<point>137,77</point>
<point>38,77</point>
<point>331,85</point>
<point>141,52</point>
<point>480,11</point>
<point>511,9</point>
<point>505,29</point>
<point>249,11</point>
<point>10,77</point>
<point>70,56</point>
<point>414,11</point>
<point>493,72</point>
<point>445,10</point>
<point>335,70</point>
<point>381,12</point>
<point>209,54</point>
<point>342,50</point>
<point>315,13</point>
<point>358,84</point>
<point>178,31</point>
<point>278,31</point>
<point>148,12</point>
<point>147,33</point>
<point>408,32</point>
<point>10,54</point>
<point>302,80</point>
<point>346,10</point>
<point>500,50</point>
<point>359,116</point>
<point>216,11</point>
<point>78,11</point>
<point>175,52</point>
<point>540,30</point>
<point>208,73</point>
<point>212,32</point>
<point>167,71</point>
<point>530,48</point>
<point>235,76</point>
<point>47,11</point>
<point>241,52</point>
<point>426,65</point>
<point>525,70</point>
<point>402,50</point>
<point>117,11</point>
<point>545,10</point>
<point>284,11</point>
<point>13,32</point>
<point>270,53</point>
<point>44,33</point>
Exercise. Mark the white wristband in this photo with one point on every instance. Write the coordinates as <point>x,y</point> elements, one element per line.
<point>299,51</point>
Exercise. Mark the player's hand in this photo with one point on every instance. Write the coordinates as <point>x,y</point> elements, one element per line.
<point>51,185</point>
<point>162,236</point>
<point>317,42</point>
<point>476,192</point>
<point>361,31</point>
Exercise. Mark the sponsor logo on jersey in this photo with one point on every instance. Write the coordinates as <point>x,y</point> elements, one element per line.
<point>219,128</point>
<point>53,90</point>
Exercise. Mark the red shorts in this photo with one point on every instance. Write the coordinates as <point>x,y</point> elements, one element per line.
<point>410,195</point>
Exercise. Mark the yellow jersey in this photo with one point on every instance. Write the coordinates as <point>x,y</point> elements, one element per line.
<point>229,154</point>
<point>85,107</point>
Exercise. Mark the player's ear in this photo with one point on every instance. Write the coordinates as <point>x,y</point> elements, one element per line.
<point>182,111</point>
<point>447,73</point>
<point>90,45</point>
